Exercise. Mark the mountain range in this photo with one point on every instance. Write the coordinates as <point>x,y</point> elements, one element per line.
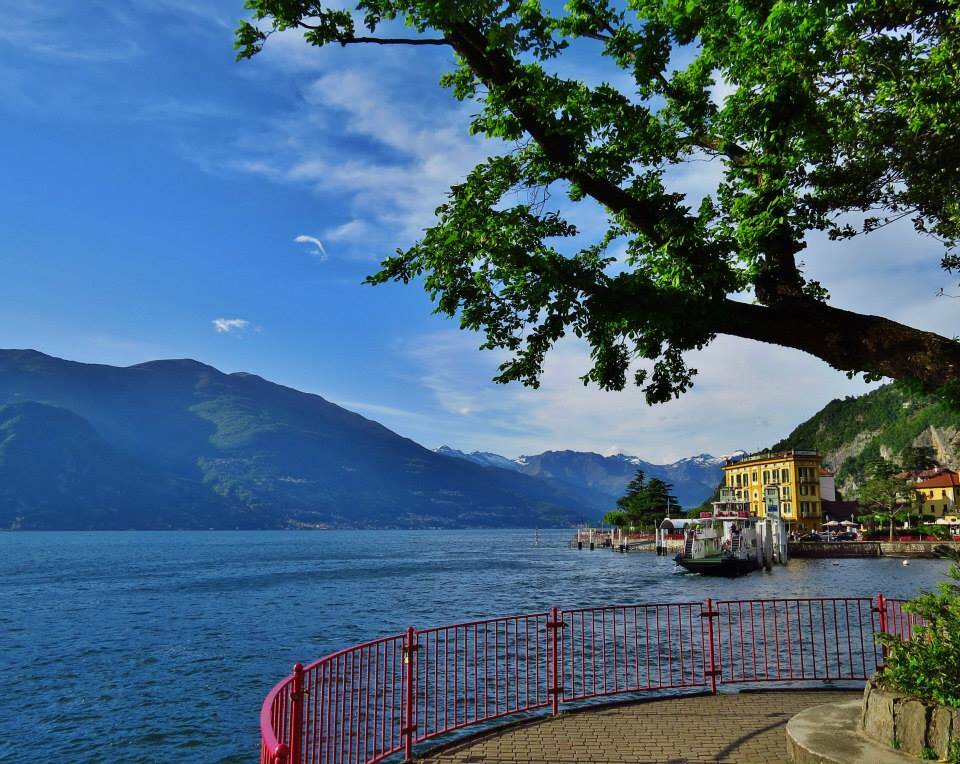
<point>179,444</point>
<point>693,478</point>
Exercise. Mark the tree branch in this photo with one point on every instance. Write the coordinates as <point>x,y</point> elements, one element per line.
<point>848,341</point>
<point>497,69</point>
<point>382,40</point>
<point>396,40</point>
<point>738,155</point>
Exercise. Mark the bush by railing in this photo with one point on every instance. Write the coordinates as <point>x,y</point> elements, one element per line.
<point>378,699</point>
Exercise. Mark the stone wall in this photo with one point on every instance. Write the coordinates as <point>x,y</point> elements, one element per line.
<point>906,723</point>
<point>868,548</point>
<point>833,549</point>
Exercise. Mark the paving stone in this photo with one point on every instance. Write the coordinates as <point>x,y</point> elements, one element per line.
<point>745,728</point>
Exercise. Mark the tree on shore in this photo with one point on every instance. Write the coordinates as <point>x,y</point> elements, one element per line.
<point>838,118</point>
<point>645,503</point>
<point>885,495</point>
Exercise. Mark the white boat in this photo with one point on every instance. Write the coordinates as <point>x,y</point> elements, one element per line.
<point>730,541</point>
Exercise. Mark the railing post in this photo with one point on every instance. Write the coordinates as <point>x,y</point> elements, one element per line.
<point>555,685</point>
<point>882,611</point>
<point>409,678</point>
<point>711,659</point>
<point>296,715</point>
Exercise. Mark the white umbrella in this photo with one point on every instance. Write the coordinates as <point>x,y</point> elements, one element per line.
<point>849,522</point>
<point>832,524</point>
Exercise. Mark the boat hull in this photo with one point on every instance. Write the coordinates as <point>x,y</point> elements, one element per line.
<point>719,566</point>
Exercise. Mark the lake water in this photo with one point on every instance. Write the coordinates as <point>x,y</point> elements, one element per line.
<point>159,647</point>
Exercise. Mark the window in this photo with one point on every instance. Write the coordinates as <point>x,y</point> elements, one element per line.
<point>786,508</point>
<point>755,476</point>
<point>784,474</point>
<point>803,489</point>
<point>786,492</point>
<point>766,476</point>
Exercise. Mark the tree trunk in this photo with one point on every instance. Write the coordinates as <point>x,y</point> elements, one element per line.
<point>891,528</point>
<point>847,341</point>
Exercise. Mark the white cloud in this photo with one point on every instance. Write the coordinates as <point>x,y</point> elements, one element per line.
<point>361,138</point>
<point>227,325</point>
<point>376,408</point>
<point>353,230</point>
<point>747,396</point>
<point>317,249</point>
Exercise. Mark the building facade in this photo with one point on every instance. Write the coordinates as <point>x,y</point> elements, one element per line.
<point>793,477</point>
<point>939,494</point>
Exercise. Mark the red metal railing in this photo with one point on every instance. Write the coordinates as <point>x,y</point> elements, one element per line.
<point>378,699</point>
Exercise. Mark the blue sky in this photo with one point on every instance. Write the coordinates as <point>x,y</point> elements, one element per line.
<point>153,190</point>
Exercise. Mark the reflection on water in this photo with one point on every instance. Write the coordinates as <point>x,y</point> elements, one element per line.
<point>180,635</point>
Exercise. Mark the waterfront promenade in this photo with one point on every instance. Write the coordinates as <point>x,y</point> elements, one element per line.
<point>746,727</point>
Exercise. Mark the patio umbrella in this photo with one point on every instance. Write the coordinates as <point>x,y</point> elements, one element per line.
<point>831,524</point>
<point>849,523</point>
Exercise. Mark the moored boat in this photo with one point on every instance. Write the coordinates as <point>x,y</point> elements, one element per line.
<point>729,541</point>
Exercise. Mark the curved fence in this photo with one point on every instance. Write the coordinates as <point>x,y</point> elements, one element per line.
<point>378,699</point>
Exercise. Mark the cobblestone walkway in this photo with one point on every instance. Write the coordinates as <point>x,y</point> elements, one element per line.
<point>747,728</point>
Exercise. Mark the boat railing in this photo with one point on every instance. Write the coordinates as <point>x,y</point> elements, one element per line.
<point>380,699</point>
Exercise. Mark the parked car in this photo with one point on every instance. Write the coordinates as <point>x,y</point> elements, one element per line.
<point>846,536</point>
<point>811,537</point>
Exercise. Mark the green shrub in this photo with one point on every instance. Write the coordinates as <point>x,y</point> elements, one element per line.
<point>941,532</point>
<point>928,754</point>
<point>928,665</point>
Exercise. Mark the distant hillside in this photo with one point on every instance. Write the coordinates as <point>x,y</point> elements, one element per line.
<point>606,477</point>
<point>56,472</point>
<point>180,444</point>
<point>857,430</point>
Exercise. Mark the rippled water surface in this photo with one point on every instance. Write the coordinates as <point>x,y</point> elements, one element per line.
<point>160,646</point>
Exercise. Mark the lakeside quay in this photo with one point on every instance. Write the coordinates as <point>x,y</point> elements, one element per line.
<point>610,541</point>
<point>819,549</point>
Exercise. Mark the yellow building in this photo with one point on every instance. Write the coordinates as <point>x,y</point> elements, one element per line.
<point>793,476</point>
<point>940,494</point>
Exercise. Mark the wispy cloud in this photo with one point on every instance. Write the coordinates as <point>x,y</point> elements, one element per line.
<point>352,230</point>
<point>40,29</point>
<point>376,409</point>
<point>317,249</point>
<point>363,140</point>
<point>718,416</point>
<point>227,325</point>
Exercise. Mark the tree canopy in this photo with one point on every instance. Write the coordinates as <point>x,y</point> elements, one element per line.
<point>644,504</point>
<point>841,118</point>
<point>886,495</point>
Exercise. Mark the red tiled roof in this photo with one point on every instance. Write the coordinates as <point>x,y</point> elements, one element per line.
<point>826,473</point>
<point>923,474</point>
<point>943,480</point>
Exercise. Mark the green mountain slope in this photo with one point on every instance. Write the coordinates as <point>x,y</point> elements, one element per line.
<point>882,423</point>
<point>56,472</point>
<point>265,453</point>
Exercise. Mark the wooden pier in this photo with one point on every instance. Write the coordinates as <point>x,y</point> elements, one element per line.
<point>592,539</point>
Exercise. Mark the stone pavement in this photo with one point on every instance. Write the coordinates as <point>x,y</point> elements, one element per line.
<point>747,728</point>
